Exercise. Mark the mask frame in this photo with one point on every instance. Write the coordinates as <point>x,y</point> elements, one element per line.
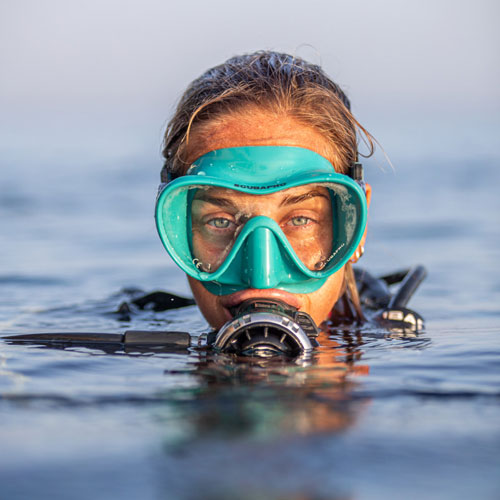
<point>261,256</point>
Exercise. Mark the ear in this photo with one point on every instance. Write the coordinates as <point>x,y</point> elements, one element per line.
<point>368,195</point>
<point>361,247</point>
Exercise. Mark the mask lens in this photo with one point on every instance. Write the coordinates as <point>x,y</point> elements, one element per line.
<point>304,215</point>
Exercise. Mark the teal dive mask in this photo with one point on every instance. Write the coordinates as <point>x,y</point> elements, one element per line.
<point>261,217</point>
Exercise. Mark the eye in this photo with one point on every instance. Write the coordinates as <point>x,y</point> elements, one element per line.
<point>299,221</point>
<point>219,223</point>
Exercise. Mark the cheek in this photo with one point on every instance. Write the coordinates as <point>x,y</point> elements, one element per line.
<point>208,303</point>
<point>320,303</point>
<point>210,250</point>
<point>204,250</point>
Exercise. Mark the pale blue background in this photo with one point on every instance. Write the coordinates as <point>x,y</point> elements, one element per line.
<point>98,78</point>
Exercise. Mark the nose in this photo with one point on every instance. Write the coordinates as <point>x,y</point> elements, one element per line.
<point>262,259</point>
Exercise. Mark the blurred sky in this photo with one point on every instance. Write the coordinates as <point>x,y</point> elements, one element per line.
<point>97,79</point>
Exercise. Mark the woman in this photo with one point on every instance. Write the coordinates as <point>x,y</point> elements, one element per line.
<point>257,201</point>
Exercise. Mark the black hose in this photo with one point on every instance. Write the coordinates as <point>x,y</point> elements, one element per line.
<point>408,286</point>
<point>128,339</point>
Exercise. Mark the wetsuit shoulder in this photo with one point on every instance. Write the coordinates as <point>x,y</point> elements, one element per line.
<point>379,305</point>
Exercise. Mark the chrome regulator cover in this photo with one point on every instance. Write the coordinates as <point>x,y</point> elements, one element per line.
<point>266,327</point>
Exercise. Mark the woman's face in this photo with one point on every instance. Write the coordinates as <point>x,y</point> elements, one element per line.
<point>303,215</point>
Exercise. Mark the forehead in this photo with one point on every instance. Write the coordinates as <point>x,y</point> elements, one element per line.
<point>255,127</point>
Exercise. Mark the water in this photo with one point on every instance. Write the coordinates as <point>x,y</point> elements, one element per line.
<point>369,416</point>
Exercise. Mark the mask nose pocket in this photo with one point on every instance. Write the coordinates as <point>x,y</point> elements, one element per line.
<point>262,259</point>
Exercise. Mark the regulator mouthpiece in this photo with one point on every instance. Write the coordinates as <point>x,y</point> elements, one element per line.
<point>265,328</point>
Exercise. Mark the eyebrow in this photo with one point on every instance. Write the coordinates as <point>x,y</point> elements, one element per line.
<point>292,200</point>
<point>215,200</point>
<point>287,200</point>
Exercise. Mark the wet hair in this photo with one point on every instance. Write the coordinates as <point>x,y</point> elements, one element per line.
<point>271,81</point>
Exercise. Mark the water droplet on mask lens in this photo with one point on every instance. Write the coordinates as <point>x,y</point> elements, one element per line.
<point>319,265</point>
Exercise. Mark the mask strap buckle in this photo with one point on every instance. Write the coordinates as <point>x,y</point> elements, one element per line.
<point>356,173</point>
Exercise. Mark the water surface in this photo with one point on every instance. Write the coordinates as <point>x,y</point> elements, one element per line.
<point>370,415</point>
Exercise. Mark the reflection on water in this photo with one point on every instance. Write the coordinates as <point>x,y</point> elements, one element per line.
<point>228,395</point>
<point>269,397</point>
